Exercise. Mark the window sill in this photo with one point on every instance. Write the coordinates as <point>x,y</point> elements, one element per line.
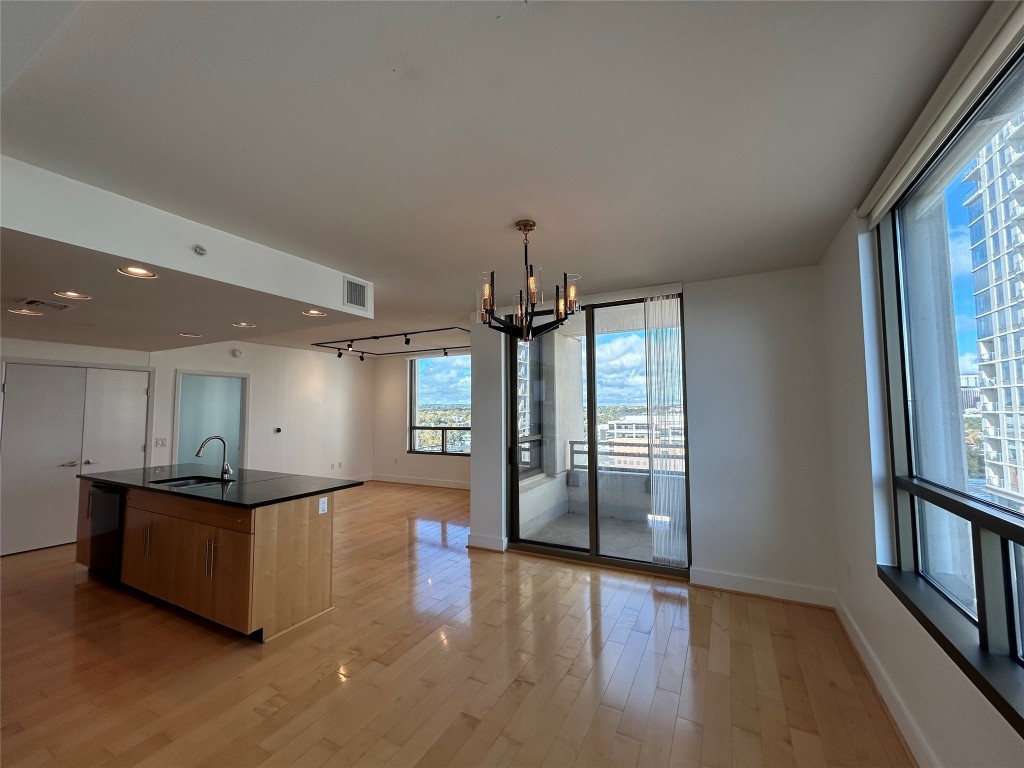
<point>999,678</point>
<point>436,453</point>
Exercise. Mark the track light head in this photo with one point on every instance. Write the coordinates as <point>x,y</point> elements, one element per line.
<point>361,357</point>
<point>339,354</point>
<point>408,341</point>
<point>446,353</point>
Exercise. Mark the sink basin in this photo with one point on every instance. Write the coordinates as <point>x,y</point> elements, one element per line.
<point>194,480</point>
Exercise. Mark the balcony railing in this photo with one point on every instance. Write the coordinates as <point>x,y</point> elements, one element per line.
<point>611,453</point>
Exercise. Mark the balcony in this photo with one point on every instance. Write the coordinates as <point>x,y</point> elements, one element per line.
<point>974,194</point>
<point>624,477</point>
<point>973,171</point>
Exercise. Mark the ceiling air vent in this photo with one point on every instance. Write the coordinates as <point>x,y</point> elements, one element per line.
<point>358,296</point>
<point>40,304</point>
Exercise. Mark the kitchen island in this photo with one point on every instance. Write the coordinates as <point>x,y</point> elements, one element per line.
<point>252,552</point>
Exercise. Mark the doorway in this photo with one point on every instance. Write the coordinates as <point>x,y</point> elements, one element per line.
<point>597,410</point>
<point>210,404</point>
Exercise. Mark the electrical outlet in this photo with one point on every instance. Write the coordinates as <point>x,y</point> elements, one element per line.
<point>340,465</point>
<point>161,442</point>
<point>332,465</point>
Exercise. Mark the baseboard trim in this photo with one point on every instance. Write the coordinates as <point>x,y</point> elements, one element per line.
<point>898,709</point>
<point>783,590</point>
<point>404,480</point>
<point>495,543</point>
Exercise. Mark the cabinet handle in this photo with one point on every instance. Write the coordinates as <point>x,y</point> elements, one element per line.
<point>145,542</point>
<point>213,552</point>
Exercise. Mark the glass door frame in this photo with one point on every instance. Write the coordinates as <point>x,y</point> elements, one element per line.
<point>243,430</point>
<point>515,541</point>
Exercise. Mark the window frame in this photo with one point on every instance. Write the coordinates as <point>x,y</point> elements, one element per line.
<point>989,650</point>
<point>414,427</point>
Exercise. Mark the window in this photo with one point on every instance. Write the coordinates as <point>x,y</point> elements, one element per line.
<point>959,501</point>
<point>439,405</point>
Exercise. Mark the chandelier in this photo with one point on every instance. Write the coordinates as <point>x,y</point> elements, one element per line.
<point>521,325</point>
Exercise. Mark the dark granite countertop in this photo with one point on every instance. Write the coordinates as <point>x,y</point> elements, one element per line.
<point>250,487</point>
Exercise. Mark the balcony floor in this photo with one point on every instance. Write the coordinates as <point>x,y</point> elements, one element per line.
<point>629,539</point>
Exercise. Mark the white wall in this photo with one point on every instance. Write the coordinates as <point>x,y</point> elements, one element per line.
<point>487,495</point>
<point>944,718</point>
<point>324,406</point>
<point>760,500</point>
<point>73,353</point>
<point>391,460</point>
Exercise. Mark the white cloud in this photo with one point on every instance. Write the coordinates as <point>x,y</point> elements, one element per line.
<point>959,251</point>
<point>968,363</point>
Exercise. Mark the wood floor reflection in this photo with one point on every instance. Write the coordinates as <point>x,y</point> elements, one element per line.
<point>435,655</point>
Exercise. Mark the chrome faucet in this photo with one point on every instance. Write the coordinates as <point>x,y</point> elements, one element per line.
<point>226,469</point>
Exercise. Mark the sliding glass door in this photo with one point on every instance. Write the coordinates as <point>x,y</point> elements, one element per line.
<point>551,438</point>
<point>600,446</point>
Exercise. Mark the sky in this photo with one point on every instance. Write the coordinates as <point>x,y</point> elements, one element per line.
<point>963,280</point>
<point>443,380</point>
<point>621,373</point>
<point>621,368</point>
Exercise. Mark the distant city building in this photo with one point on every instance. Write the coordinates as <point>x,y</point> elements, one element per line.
<point>626,444</point>
<point>970,392</point>
<point>996,225</point>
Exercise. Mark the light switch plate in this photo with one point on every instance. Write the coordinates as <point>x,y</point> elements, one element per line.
<point>161,442</point>
<point>323,505</point>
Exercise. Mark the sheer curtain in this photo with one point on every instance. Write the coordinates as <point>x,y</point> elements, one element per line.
<point>667,444</point>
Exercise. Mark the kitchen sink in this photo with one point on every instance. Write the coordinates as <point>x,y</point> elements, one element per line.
<point>194,480</point>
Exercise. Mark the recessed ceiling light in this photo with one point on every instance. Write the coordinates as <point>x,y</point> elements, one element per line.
<point>24,312</point>
<point>139,272</point>
<point>314,313</point>
<point>244,325</point>
<point>73,295</point>
<point>191,335</point>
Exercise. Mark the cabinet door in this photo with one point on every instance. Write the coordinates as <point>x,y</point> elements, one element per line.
<point>175,553</point>
<point>136,563</point>
<point>225,594</point>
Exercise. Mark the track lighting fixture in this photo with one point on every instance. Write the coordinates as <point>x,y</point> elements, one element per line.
<point>339,354</point>
<point>350,346</point>
<point>408,341</point>
<point>446,353</point>
<point>361,357</point>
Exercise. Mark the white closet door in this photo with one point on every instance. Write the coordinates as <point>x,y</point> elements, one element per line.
<point>40,453</point>
<point>115,420</point>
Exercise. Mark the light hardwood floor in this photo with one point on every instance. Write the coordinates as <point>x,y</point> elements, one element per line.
<point>435,655</point>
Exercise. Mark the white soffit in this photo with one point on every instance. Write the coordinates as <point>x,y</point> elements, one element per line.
<point>41,203</point>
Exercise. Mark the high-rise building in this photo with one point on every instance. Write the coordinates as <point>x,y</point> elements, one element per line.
<point>995,210</point>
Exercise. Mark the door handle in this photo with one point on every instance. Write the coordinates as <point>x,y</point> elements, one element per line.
<point>69,464</point>
<point>91,461</point>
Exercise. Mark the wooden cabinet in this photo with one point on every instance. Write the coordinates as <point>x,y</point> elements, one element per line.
<point>266,569</point>
<point>201,568</point>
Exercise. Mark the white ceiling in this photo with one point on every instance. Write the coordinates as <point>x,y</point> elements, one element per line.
<point>399,142</point>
